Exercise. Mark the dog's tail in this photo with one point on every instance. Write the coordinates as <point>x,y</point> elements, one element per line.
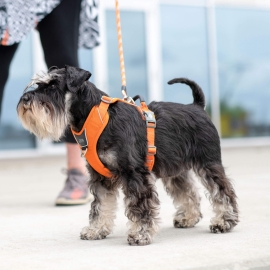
<point>197,92</point>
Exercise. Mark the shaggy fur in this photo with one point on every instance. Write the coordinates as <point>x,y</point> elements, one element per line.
<point>185,139</point>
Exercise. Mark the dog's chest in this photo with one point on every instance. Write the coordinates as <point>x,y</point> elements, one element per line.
<point>108,158</point>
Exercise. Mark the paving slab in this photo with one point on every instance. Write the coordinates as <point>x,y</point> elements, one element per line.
<point>34,234</point>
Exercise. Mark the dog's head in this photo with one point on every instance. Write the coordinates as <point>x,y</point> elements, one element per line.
<point>42,107</point>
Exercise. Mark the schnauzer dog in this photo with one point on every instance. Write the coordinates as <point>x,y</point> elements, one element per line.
<point>185,138</point>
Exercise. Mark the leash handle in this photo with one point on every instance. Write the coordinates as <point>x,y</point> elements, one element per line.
<point>120,48</point>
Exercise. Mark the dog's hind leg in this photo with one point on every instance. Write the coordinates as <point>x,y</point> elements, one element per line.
<point>186,199</point>
<point>222,197</point>
<point>102,213</point>
<point>142,208</point>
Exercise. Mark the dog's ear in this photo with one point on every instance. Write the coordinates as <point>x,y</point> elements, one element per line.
<point>75,77</point>
<point>53,68</point>
<point>58,76</point>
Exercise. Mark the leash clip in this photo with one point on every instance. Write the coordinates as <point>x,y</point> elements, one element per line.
<point>126,97</point>
<point>129,100</point>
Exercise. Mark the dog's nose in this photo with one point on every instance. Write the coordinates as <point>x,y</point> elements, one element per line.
<point>26,100</point>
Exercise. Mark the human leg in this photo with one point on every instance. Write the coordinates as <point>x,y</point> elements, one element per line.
<point>59,38</point>
<point>6,56</point>
<point>59,33</point>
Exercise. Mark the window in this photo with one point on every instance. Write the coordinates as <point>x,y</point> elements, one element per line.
<point>243,41</point>
<point>184,50</point>
<point>86,60</point>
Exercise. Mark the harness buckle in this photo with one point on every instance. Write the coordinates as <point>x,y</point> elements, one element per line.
<point>152,150</point>
<point>82,141</point>
<point>150,119</point>
<point>83,152</point>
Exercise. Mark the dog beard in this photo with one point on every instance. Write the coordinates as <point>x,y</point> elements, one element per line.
<point>42,120</point>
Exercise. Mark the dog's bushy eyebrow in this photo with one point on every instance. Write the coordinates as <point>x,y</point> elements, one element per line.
<point>29,87</point>
<point>41,78</point>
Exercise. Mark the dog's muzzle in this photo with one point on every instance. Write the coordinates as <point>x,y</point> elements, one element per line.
<point>26,100</point>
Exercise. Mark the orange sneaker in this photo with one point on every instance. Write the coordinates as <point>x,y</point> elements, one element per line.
<point>75,191</point>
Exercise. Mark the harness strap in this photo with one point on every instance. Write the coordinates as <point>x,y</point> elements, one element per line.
<point>150,120</point>
<point>96,122</point>
<point>150,125</point>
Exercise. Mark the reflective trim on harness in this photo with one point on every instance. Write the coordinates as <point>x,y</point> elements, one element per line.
<point>96,122</point>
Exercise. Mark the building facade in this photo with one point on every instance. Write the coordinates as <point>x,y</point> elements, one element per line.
<point>223,45</point>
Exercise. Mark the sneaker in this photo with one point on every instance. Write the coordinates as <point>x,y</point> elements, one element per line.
<point>75,191</point>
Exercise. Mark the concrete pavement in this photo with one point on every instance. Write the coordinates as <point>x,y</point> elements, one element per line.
<point>34,234</point>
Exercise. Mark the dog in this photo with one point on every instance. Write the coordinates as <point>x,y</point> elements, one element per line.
<point>186,142</point>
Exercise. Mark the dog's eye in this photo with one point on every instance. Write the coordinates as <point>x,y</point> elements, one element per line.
<point>53,86</point>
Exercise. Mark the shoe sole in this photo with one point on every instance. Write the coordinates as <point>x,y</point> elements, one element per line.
<point>64,201</point>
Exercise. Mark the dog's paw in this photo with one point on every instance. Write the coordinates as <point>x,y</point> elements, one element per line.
<point>89,233</point>
<point>220,228</point>
<point>184,222</point>
<point>139,239</point>
<point>217,229</point>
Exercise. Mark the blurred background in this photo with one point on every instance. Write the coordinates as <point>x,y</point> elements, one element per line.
<point>222,45</point>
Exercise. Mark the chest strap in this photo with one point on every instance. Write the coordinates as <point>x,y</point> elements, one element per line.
<point>96,122</point>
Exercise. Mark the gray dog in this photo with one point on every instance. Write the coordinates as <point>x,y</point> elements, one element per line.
<point>185,138</point>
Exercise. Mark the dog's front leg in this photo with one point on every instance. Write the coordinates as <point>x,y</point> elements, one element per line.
<point>142,207</point>
<point>102,213</point>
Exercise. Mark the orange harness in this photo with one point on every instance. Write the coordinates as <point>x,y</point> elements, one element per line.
<point>96,122</point>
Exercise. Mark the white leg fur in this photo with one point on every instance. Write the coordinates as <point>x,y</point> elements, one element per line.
<point>186,200</point>
<point>222,197</point>
<point>141,234</point>
<point>141,231</point>
<point>223,211</point>
<point>102,216</point>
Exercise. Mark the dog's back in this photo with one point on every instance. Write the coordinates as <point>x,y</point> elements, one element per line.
<point>185,134</point>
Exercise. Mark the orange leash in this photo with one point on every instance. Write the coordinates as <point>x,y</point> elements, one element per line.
<point>121,53</point>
